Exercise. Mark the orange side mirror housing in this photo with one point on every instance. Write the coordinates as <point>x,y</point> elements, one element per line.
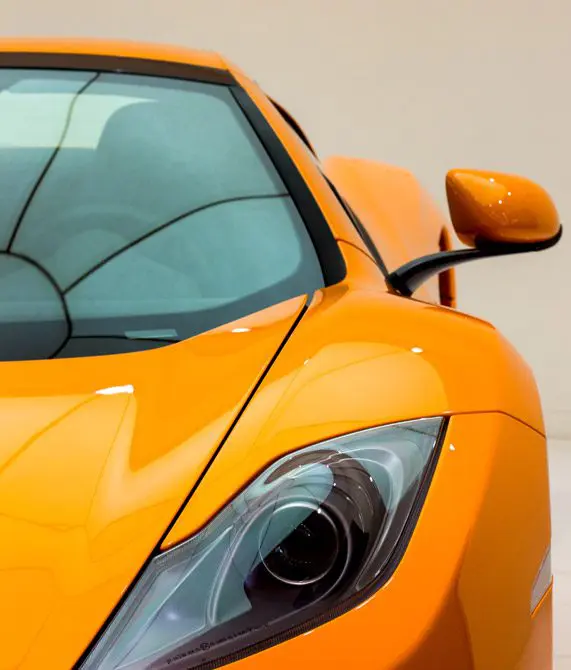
<point>495,207</point>
<point>495,214</point>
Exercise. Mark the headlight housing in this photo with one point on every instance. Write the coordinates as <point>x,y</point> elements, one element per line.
<point>312,536</point>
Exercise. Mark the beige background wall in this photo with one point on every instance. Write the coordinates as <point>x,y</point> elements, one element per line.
<point>425,84</point>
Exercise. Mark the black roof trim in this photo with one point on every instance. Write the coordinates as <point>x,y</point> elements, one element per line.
<point>122,64</point>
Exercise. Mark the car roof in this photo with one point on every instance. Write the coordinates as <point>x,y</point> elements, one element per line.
<point>118,48</point>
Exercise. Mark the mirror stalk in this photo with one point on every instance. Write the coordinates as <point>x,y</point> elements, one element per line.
<point>406,279</point>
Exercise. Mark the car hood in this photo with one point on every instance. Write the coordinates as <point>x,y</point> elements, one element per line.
<point>362,358</point>
<point>97,456</point>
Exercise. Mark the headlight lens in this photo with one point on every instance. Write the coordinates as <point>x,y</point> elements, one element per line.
<point>307,540</point>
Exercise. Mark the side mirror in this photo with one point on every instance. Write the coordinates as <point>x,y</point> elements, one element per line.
<point>494,214</point>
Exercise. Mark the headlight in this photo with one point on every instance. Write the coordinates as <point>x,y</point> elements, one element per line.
<point>311,537</point>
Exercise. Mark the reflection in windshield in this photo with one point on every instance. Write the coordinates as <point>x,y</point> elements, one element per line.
<point>144,211</point>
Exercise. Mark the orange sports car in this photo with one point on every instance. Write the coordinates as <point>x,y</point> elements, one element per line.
<point>242,421</point>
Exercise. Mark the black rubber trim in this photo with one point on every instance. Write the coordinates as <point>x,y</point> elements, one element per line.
<point>330,256</point>
<point>364,233</point>
<point>406,279</point>
<point>122,64</point>
<point>360,228</point>
<point>163,537</point>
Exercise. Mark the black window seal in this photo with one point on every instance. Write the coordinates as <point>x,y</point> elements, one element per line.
<point>330,256</point>
<point>118,64</point>
<point>360,228</point>
<point>328,252</point>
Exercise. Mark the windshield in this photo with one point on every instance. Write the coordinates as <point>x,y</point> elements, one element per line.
<point>135,211</point>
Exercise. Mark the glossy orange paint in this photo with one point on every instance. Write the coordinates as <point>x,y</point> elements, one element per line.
<point>402,359</point>
<point>537,653</point>
<point>97,455</point>
<point>121,465</point>
<point>499,207</point>
<point>434,611</point>
<point>447,279</point>
<point>403,221</point>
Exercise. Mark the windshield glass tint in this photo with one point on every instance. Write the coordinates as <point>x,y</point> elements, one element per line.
<point>135,211</point>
